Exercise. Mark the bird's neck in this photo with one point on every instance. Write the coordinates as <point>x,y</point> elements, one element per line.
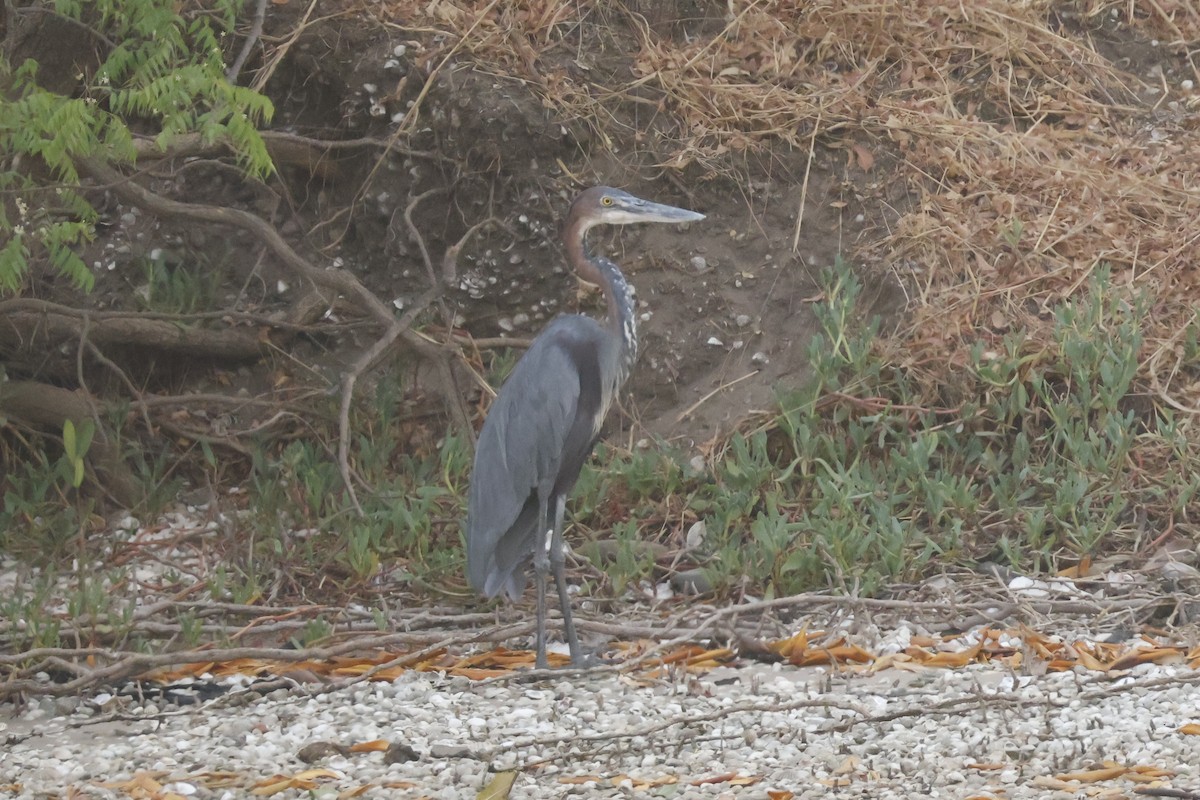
<point>618,294</point>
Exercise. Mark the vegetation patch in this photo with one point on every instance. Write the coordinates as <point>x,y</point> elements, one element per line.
<point>293,332</point>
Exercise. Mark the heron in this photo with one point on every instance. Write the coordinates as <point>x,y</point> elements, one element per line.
<point>546,419</point>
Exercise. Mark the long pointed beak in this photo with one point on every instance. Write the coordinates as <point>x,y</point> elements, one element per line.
<point>645,211</point>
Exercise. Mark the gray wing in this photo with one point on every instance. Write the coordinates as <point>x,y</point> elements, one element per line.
<point>537,434</point>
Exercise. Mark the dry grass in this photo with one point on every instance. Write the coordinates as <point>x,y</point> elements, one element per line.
<point>1033,158</point>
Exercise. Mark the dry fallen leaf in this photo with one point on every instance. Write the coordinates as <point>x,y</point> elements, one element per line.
<point>1093,775</point>
<point>305,781</point>
<point>499,787</point>
<point>731,778</point>
<point>848,766</point>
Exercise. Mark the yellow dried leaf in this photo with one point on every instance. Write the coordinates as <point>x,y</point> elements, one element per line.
<point>1093,775</point>
<point>959,659</point>
<point>1080,570</point>
<point>1191,729</point>
<point>785,647</point>
<point>732,778</point>
<point>303,781</point>
<point>1154,655</point>
<point>1088,660</point>
<point>373,746</point>
<point>142,784</point>
<point>499,787</point>
<point>642,784</point>
<point>864,157</point>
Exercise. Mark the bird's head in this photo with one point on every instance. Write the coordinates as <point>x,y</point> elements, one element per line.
<point>604,205</point>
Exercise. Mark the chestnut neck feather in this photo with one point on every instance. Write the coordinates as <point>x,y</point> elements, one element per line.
<point>618,294</point>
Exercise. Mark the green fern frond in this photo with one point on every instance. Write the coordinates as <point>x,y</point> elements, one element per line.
<point>167,70</point>
<point>13,258</point>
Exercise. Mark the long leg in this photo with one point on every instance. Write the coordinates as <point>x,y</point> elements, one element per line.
<point>541,567</point>
<point>558,558</point>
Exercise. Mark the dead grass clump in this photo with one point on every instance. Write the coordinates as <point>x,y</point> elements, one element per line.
<point>1035,159</point>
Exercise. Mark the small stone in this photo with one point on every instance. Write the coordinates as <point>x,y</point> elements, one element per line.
<point>760,358</point>
<point>742,320</point>
<point>520,320</point>
<point>700,264</point>
<point>399,753</point>
<point>505,324</point>
<point>691,581</point>
<point>715,342</point>
<point>449,751</point>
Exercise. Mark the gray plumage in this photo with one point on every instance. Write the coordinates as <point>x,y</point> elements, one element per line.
<point>546,418</point>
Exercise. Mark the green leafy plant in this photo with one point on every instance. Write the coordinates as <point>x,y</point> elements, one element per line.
<point>865,477</point>
<point>159,68</point>
<point>75,447</point>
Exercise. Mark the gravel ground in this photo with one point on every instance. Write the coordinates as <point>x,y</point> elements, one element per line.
<point>733,732</point>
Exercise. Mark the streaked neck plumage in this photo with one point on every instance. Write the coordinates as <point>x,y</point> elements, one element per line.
<point>618,293</point>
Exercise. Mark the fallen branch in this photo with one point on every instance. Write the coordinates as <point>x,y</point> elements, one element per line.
<point>37,325</point>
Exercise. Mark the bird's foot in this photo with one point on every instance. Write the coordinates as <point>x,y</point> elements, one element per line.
<point>590,660</point>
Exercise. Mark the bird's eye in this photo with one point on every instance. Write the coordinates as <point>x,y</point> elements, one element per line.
<point>606,200</point>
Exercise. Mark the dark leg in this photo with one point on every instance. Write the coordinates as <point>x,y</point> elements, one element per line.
<point>541,567</point>
<point>539,581</point>
<point>557,566</point>
<point>564,602</point>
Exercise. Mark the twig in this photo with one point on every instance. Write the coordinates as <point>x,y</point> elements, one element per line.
<point>122,665</point>
<point>750,706</point>
<point>256,29</point>
<point>31,304</point>
<point>123,377</point>
<point>415,234</point>
<point>350,378</point>
<point>450,258</point>
<point>267,71</point>
<point>687,412</point>
<point>812,142</point>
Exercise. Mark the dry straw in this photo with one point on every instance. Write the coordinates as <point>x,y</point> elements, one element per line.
<point>1037,141</point>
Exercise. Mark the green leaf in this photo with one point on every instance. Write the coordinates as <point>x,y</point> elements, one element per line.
<point>69,440</point>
